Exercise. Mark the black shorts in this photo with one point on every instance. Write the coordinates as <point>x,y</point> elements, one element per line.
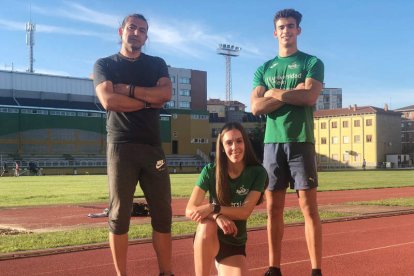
<point>290,164</point>
<point>228,250</point>
<point>128,164</point>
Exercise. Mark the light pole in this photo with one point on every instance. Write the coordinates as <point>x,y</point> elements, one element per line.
<point>228,51</point>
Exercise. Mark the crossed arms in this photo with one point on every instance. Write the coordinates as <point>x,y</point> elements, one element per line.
<point>197,210</point>
<point>264,101</point>
<point>116,97</point>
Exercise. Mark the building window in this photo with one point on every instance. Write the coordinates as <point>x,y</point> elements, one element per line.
<point>346,139</point>
<point>335,140</point>
<point>184,80</point>
<point>357,123</point>
<point>172,78</point>
<point>368,122</point>
<point>62,113</point>
<point>34,111</point>
<point>323,125</point>
<point>184,105</point>
<point>345,124</point>
<point>334,124</point>
<point>345,157</point>
<point>184,92</point>
<point>369,138</point>
<point>170,104</point>
<point>323,140</point>
<point>357,139</point>
<point>9,110</point>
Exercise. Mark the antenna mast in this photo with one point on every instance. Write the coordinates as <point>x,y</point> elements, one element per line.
<point>30,30</point>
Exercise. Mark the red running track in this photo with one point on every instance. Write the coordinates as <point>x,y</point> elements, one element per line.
<point>75,216</point>
<point>376,246</point>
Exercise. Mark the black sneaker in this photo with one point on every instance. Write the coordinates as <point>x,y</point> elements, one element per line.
<point>316,272</point>
<point>273,271</point>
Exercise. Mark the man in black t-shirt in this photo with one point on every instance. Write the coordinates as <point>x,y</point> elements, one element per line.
<point>132,87</point>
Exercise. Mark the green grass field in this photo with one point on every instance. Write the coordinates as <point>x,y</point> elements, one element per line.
<point>50,190</point>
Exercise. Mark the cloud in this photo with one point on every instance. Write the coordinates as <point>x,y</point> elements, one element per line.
<point>12,25</point>
<point>51,72</point>
<point>41,28</point>
<point>80,13</point>
<point>185,38</point>
<point>395,98</point>
<point>189,38</point>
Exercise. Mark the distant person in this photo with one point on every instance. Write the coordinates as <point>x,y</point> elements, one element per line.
<point>16,169</point>
<point>221,232</point>
<point>181,166</point>
<point>33,168</point>
<point>132,87</point>
<point>4,169</point>
<point>286,89</point>
<point>364,164</point>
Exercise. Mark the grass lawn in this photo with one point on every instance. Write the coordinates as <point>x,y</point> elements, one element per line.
<point>75,189</point>
<point>404,202</point>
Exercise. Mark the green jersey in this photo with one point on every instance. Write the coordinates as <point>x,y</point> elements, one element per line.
<point>253,178</point>
<point>290,123</point>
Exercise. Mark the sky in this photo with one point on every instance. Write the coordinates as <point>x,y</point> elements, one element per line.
<point>366,46</point>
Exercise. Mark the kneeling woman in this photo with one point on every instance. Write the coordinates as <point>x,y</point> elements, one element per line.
<point>235,183</point>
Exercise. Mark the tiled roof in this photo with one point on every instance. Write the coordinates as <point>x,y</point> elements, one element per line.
<point>407,108</point>
<point>353,110</point>
<point>220,102</point>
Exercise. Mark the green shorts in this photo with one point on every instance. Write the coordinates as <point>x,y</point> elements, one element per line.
<point>129,164</point>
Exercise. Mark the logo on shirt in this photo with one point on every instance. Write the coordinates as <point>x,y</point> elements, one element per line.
<point>242,191</point>
<point>294,65</point>
<point>159,164</point>
<point>273,65</point>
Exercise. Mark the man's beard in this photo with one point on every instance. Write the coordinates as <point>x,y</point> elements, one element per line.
<point>135,48</point>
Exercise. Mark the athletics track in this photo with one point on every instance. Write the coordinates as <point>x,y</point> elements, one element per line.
<point>373,244</point>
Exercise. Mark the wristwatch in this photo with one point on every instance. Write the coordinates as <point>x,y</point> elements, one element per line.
<point>216,208</point>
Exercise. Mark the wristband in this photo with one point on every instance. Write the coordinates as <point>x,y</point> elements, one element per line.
<point>216,208</point>
<point>215,219</point>
<point>131,91</point>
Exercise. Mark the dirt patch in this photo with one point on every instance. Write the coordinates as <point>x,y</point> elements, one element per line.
<point>9,232</point>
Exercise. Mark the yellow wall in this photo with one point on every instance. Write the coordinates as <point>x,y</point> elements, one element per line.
<point>190,133</point>
<point>343,148</point>
<point>219,109</point>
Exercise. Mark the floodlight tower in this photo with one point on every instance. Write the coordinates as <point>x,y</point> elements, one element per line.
<point>30,29</point>
<point>228,51</point>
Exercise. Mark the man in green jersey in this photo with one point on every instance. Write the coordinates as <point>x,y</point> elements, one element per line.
<point>286,89</point>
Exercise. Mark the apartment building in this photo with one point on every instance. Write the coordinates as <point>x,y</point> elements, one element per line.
<point>345,137</point>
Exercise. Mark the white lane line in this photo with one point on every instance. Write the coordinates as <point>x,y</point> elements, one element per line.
<point>339,255</point>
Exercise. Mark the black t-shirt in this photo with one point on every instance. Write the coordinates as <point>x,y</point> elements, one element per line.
<point>140,126</point>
